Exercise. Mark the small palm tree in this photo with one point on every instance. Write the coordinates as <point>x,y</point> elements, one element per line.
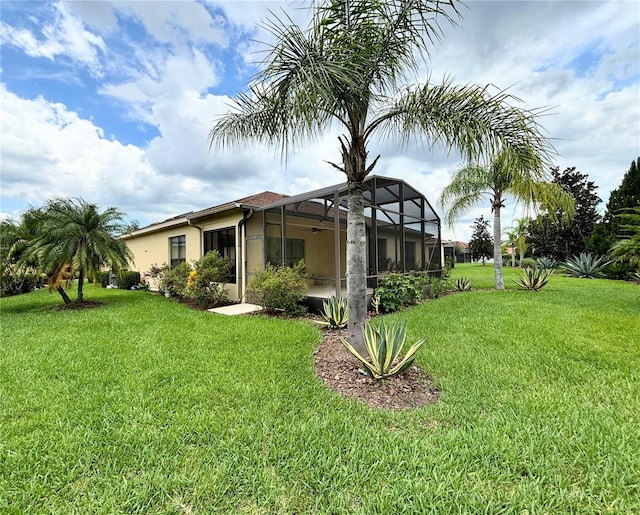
<point>352,69</point>
<point>76,237</point>
<point>521,176</point>
<point>517,237</point>
<point>627,248</point>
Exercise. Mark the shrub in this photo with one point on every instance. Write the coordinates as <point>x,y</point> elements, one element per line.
<point>205,283</point>
<point>384,344</point>
<point>546,263</point>
<point>533,279</point>
<point>528,263</point>
<point>335,313</point>
<point>279,289</point>
<point>17,284</point>
<point>175,279</point>
<point>397,290</point>
<point>437,286</point>
<point>127,279</point>
<point>585,266</point>
<point>103,277</point>
<point>620,270</point>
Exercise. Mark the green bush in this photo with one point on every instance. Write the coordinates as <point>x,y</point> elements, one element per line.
<point>127,279</point>
<point>279,289</point>
<point>396,290</point>
<point>16,284</point>
<point>437,286</point>
<point>175,279</point>
<point>619,270</point>
<point>103,277</point>
<point>206,282</point>
<point>528,263</point>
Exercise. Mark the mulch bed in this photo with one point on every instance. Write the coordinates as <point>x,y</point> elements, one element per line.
<point>340,371</point>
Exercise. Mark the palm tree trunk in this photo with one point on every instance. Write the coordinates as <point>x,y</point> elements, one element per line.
<point>64,295</point>
<point>80,285</point>
<point>497,250</point>
<point>356,267</point>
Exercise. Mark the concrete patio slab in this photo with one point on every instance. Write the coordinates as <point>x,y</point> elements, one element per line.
<point>236,309</point>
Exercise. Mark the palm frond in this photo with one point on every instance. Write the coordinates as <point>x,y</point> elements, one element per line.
<point>469,118</point>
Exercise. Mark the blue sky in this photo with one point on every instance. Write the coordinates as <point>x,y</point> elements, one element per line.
<point>113,101</point>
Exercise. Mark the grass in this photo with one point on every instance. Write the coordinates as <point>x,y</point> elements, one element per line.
<point>143,405</point>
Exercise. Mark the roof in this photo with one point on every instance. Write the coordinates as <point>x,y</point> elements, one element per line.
<point>262,199</point>
<point>269,199</point>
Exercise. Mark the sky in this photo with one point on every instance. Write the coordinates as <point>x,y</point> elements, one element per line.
<point>113,101</point>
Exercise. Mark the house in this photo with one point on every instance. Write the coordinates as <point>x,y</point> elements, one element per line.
<point>403,235</point>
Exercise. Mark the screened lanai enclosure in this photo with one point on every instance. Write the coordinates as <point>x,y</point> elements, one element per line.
<point>402,229</point>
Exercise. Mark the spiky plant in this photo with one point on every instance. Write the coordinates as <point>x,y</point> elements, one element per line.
<point>586,265</point>
<point>463,284</point>
<point>376,303</point>
<point>384,344</point>
<point>334,312</point>
<point>533,279</point>
<point>546,263</point>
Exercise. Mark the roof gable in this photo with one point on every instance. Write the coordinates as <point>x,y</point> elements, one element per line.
<point>262,199</point>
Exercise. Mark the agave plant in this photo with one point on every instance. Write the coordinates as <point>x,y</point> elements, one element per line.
<point>463,284</point>
<point>533,279</point>
<point>384,344</point>
<point>586,265</point>
<point>334,311</point>
<point>546,263</point>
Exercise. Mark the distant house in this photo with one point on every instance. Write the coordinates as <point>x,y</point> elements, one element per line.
<point>403,235</point>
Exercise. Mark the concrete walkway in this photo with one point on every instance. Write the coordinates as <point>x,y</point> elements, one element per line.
<point>236,309</point>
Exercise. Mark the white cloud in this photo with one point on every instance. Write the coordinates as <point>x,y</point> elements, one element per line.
<point>49,151</point>
<point>176,22</point>
<point>534,46</point>
<point>64,36</point>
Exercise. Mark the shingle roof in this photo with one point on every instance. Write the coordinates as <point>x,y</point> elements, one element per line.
<point>262,199</point>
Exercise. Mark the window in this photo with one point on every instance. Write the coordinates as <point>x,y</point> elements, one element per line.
<point>224,241</point>
<point>410,255</point>
<point>383,262</point>
<point>178,249</point>
<point>294,251</point>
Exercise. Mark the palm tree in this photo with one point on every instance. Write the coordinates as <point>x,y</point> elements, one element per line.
<point>76,237</point>
<point>350,69</point>
<point>517,237</point>
<point>627,248</point>
<point>519,176</point>
<point>14,241</point>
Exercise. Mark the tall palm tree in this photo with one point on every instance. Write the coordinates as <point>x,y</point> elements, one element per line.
<point>519,176</point>
<point>76,237</point>
<point>350,69</point>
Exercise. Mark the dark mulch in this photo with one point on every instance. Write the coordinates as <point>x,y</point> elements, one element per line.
<point>340,371</point>
<point>73,306</point>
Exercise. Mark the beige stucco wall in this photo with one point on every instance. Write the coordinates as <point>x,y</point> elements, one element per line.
<point>254,246</point>
<point>153,249</point>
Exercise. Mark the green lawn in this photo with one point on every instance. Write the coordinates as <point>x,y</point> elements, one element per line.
<point>143,405</point>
